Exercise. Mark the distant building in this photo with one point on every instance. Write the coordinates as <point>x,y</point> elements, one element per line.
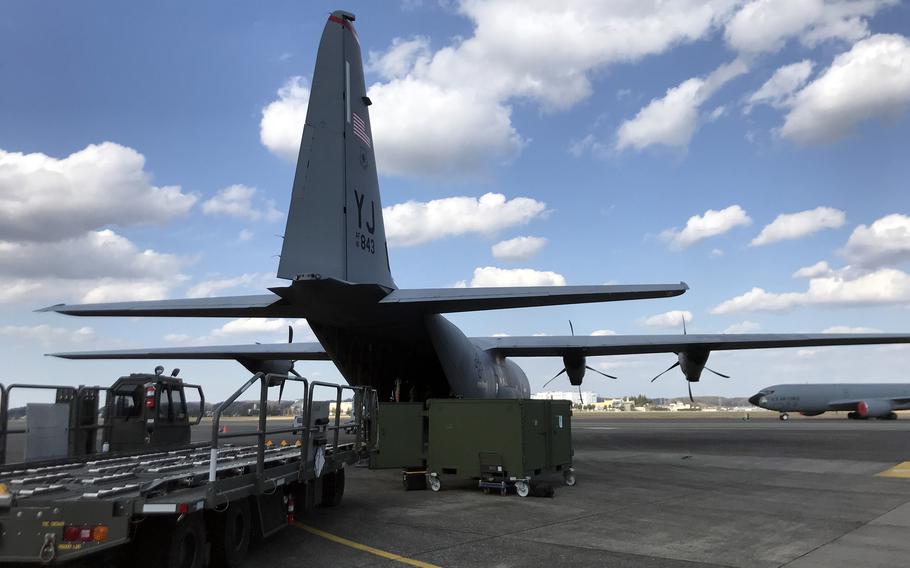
<point>587,398</point>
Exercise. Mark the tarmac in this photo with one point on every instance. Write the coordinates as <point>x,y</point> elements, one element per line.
<point>667,493</point>
<point>651,493</point>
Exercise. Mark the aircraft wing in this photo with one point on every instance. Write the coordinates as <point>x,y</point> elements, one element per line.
<point>273,351</point>
<point>431,300</point>
<point>263,305</point>
<point>553,346</point>
<point>448,300</point>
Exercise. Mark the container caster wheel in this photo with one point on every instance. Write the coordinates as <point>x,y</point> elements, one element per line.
<point>434,483</point>
<point>522,488</point>
<point>569,478</point>
<point>784,416</point>
<point>503,491</point>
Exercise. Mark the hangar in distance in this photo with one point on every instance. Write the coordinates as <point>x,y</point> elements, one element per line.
<point>336,261</point>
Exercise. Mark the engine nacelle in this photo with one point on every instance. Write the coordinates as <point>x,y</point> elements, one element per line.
<point>575,365</point>
<point>874,408</point>
<point>692,362</point>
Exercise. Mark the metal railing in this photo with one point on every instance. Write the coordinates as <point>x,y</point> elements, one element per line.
<point>77,393</point>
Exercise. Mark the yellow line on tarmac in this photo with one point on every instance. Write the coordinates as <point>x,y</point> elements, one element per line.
<point>900,470</point>
<point>365,548</point>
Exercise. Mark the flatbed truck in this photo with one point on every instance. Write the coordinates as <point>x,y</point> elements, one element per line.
<point>163,500</point>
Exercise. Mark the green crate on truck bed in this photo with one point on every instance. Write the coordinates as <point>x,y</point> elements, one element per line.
<point>472,438</point>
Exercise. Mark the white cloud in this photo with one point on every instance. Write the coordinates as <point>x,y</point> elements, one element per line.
<point>672,119</point>
<point>245,235</point>
<point>468,86</point>
<point>44,199</point>
<point>886,286</point>
<point>743,327</point>
<point>820,268</point>
<point>849,329</point>
<point>717,253</point>
<point>414,222</point>
<point>790,226</point>
<point>766,25</point>
<point>886,241</point>
<point>872,80</point>
<point>264,330</point>
<point>711,224</point>
<point>466,131</point>
<point>237,201</point>
<point>282,121</point>
<point>519,248</point>
<point>602,332</point>
<point>671,319</point>
<point>48,335</point>
<point>96,266</point>
<point>400,57</point>
<point>491,276</point>
<point>250,280</point>
<point>779,89</point>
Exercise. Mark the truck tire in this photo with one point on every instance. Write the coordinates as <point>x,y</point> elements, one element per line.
<point>332,488</point>
<point>230,533</point>
<point>165,542</point>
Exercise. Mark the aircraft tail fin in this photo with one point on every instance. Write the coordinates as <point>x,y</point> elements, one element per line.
<point>335,227</point>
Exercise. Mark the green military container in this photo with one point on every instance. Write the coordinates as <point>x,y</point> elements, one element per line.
<point>509,441</point>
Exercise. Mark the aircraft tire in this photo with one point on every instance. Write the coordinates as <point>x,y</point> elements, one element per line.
<point>230,534</point>
<point>166,542</point>
<point>332,488</point>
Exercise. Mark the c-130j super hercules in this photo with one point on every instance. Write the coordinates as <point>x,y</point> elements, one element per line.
<point>336,259</point>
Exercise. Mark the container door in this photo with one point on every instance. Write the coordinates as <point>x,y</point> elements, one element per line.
<point>535,425</point>
<point>399,436</point>
<point>560,434</point>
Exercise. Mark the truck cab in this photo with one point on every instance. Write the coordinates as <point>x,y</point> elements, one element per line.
<point>148,411</point>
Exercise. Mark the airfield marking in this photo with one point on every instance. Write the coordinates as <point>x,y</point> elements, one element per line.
<point>364,547</point>
<point>900,470</point>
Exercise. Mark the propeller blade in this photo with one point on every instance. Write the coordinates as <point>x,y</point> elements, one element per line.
<point>290,334</point>
<point>571,328</point>
<point>676,364</point>
<point>600,372</point>
<point>554,378</point>
<point>716,373</point>
<point>581,400</point>
<point>684,324</point>
<point>691,399</point>
<point>280,391</point>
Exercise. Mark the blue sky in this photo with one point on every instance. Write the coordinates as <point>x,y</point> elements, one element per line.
<point>643,143</point>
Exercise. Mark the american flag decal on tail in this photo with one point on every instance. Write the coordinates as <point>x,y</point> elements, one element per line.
<point>360,129</point>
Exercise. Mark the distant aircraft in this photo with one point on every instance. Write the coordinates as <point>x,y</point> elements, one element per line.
<point>872,400</point>
<point>336,258</point>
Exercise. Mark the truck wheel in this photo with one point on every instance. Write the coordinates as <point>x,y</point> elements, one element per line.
<point>332,488</point>
<point>164,542</point>
<point>230,533</point>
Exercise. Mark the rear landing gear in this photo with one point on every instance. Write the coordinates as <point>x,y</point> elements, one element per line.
<point>784,416</point>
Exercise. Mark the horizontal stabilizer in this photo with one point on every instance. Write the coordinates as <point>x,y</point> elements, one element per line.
<point>557,346</point>
<point>264,305</point>
<point>448,300</point>
<point>277,351</point>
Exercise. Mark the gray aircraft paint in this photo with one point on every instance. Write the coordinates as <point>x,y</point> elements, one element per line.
<point>335,255</point>
<point>813,399</point>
